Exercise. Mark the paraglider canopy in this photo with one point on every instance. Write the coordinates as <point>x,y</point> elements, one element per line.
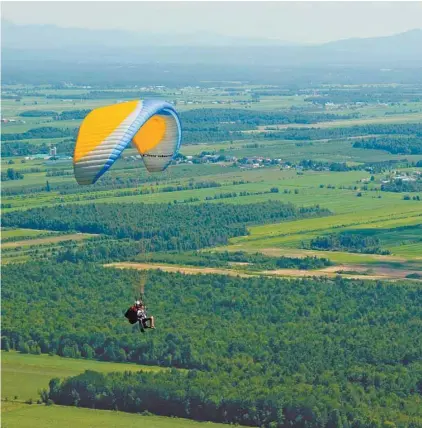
<point>152,125</point>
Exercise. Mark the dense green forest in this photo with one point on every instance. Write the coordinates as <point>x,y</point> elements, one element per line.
<point>64,115</point>
<point>318,352</point>
<point>72,114</point>
<point>236,119</point>
<point>355,243</point>
<point>37,113</point>
<point>161,226</point>
<point>43,132</point>
<point>16,148</point>
<point>411,146</point>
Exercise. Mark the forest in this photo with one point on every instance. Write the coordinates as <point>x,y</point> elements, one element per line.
<point>352,242</point>
<point>410,129</point>
<point>199,119</point>
<point>412,146</point>
<point>161,227</point>
<point>43,132</point>
<point>319,352</point>
<point>38,113</point>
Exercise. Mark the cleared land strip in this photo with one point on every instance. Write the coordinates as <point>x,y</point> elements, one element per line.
<point>350,271</point>
<point>405,118</point>
<point>174,268</point>
<point>47,240</point>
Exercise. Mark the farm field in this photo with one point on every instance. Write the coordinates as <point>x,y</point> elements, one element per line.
<point>373,210</point>
<point>24,375</point>
<point>308,186</point>
<point>47,240</point>
<point>17,415</point>
<point>20,233</point>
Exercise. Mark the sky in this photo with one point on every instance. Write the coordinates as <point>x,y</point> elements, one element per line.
<point>300,21</point>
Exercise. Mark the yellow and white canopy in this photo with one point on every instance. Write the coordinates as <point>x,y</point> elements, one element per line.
<point>153,126</point>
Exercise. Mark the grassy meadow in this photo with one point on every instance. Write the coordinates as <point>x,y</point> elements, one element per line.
<point>24,376</point>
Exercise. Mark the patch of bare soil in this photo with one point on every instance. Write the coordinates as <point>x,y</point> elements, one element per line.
<point>175,268</point>
<point>346,271</point>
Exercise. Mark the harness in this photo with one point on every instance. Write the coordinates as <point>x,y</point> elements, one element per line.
<point>132,314</point>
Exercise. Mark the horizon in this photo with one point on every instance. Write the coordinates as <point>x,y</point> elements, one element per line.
<point>260,21</point>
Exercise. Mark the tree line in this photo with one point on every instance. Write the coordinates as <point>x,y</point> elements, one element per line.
<point>17,147</point>
<point>11,174</point>
<point>401,186</point>
<point>352,242</point>
<point>206,117</point>
<point>161,226</point>
<point>42,132</point>
<point>249,261</point>
<point>370,95</point>
<point>411,146</point>
<point>409,129</point>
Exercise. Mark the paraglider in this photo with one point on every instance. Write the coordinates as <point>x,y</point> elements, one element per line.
<point>152,125</point>
<point>138,313</point>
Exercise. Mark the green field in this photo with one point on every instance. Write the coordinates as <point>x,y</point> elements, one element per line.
<point>16,415</point>
<point>21,233</point>
<point>24,375</point>
<point>258,181</point>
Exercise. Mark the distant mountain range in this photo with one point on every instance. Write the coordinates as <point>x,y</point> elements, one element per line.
<point>52,43</point>
<point>53,37</point>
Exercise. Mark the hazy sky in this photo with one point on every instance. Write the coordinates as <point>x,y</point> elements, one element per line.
<point>310,22</point>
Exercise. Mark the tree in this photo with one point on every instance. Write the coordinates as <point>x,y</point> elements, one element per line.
<point>23,347</point>
<point>5,344</point>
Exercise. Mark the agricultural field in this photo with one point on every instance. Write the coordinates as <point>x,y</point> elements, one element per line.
<point>39,416</point>
<point>25,375</point>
